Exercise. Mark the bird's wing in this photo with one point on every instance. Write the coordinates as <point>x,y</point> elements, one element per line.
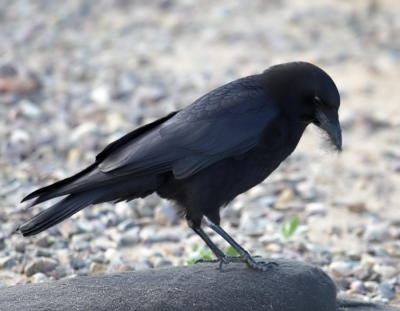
<point>223,123</point>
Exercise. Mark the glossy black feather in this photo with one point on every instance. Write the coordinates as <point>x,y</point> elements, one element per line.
<point>204,155</point>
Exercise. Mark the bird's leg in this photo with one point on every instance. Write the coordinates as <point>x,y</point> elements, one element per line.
<point>214,248</point>
<point>244,255</point>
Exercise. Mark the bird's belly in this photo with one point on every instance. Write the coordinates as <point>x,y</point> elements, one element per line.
<point>221,182</point>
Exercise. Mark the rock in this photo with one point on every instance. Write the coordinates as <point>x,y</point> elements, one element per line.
<point>286,196</point>
<point>358,286</point>
<point>80,245</point>
<point>59,272</point>
<point>111,254</point>
<point>358,207</point>
<point>129,238</point>
<point>77,263</point>
<point>8,262</point>
<point>44,265</point>
<point>165,214</point>
<point>39,278</point>
<point>20,246</point>
<point>91,226</point>
<point>40,252</point>
<point>126,225</point>
<point>198,285</point>
<point>386,272</point>
<point>104,242</point>
<point>97,268</point>
<point>340,269</point>
<point>100,95</point>
<point>373,234</point>
<point>386,290</point>
<point>315,208</point>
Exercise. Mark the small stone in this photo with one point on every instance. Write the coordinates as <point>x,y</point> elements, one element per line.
<point>97,268</point>
<point>103,242</point>
<point>358,208</point>
<point>7,262</point>
<point>141,265</point>
<point>40,252</point>
<point>129,238</point>
<point>376,234</point>
<point>126,225</point>
<point>44,265</point>
<point>20,247</point>
<point>100,95</point>
<point>111,254</point>
<point>44,241</point>
<point>386,290</point>
<point>386,272</point>
<point>99,258</point>
<point>315,208</point>
<point>59,272</point>
<point>69,228</point>
<point>165,214</point>
<point>340,269</point>
<point>357,286</point>
<point>77,263</point>
<point>371,286</point>
<point>92,226</point>
<point>286,196</point>
<point>160,262</point>
<point>39,277</point>
<point>80,245</point>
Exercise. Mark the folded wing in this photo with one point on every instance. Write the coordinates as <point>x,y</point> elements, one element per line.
<point>225,122</point>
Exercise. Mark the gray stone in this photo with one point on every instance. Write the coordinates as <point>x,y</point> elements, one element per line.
<point>129,238</point>
<point>8,262</point>
<point>39,277</point>
<point>44,265</point>
<point>200,286</point>
<point>77,263</point>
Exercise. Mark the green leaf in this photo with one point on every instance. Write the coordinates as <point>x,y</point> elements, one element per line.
<point>230,251</point>
<point>289,227</point>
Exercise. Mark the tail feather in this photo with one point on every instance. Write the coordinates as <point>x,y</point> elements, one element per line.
<point>58,185</point>
<point>121,189</point>
<point>57,213</point>
<point>87,180</point>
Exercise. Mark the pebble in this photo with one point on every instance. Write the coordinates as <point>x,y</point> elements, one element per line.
<point>373,234</point>
<point>166,215</point>
<point>77,263</point>
<point>386,272</point>
<point>386,290</point>
<point>97,268</point>
<point>8,262</point>
<point>341,269</point>
<point>40,252</point>
<point>39,278</point>
<point>128,238</point>
<point>43,265</point>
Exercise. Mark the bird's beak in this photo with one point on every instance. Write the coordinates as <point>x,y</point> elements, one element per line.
<point>329,121</point>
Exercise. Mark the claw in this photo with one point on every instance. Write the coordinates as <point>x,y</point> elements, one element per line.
<point>261,265</point>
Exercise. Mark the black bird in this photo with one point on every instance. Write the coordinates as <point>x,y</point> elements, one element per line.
<point>203,156</point>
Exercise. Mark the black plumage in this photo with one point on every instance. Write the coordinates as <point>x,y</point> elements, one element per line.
<point>204,155</point>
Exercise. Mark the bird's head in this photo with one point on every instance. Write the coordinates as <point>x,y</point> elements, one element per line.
<point>309,95</point>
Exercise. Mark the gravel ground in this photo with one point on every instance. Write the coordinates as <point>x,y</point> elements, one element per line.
<point>76,76</point>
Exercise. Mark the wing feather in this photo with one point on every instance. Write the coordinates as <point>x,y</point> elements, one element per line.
<point>225,122</point>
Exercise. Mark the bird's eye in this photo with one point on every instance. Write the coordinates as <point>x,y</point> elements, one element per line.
<point>317,100</point>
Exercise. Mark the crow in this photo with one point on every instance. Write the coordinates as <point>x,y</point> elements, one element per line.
<point>203,156</point>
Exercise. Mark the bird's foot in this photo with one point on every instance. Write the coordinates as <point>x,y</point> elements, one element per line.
<point>258,265</point>
<point>224,260</point>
